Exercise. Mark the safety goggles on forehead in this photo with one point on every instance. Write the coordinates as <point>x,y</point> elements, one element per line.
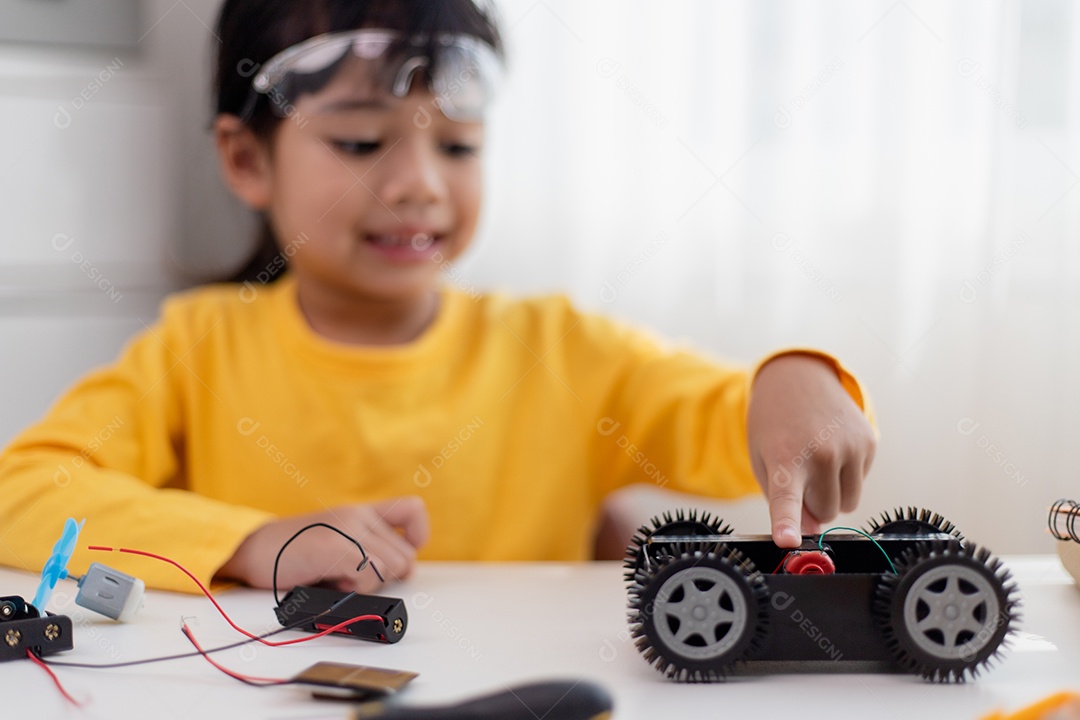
<point>360,65</point>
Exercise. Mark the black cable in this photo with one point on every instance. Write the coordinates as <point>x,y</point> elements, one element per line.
<point>180,656</point>
<point>359,568</point>
<point>1070,510</point>
<point>364,563</point>
<point>246,679</point>
<point>1051,518</point>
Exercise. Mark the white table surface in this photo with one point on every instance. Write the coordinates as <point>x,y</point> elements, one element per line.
<point>480,627</point>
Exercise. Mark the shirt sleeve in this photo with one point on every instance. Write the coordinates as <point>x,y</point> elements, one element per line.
<point>678,420</point>
<point>848,381</point>
<point>109,451</point>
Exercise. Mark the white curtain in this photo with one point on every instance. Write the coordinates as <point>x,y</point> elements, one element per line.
<point>891,181</point>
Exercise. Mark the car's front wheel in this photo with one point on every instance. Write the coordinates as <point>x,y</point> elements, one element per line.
<point>699,614</point>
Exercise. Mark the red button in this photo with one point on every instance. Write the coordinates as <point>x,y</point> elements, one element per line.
<point>812,562</point>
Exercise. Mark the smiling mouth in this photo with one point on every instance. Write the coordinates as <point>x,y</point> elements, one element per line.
<point>416,241</point>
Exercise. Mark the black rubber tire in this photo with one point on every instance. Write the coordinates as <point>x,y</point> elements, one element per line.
<point>912,521</point>
<point>701,613</point>
<point>680,522</point>
<point>948,611</point>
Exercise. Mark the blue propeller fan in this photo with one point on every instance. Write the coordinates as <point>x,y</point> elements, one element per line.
<point>55,568</point>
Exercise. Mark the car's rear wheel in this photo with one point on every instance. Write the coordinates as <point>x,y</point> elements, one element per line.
<point>647,549</point>
<point>947,611</point>
<point>912,521</point>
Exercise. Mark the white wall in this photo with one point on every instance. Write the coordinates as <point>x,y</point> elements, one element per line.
<point>104,155</point>
<point>894,204</point>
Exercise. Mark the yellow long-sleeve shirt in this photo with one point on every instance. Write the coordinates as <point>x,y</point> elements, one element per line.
<point>511,419</point>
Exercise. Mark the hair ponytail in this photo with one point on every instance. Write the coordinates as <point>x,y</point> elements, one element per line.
<point>265,264</point>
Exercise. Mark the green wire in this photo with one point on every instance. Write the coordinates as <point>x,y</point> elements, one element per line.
<point>821,538</point>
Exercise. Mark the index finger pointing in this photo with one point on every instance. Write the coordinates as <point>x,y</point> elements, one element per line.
<point>785,494</point>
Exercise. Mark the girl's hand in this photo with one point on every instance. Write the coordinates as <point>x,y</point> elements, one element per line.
<point>810,445</point>
<point>323,556</point>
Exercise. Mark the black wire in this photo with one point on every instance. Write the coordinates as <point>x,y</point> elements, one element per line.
<point>363,563</point>
<point>1052,516</point>
<point>232,673</point>
<point>1070,509</point>
<point>179,656</point>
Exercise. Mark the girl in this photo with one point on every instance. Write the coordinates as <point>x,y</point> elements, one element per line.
<point>341,383</point>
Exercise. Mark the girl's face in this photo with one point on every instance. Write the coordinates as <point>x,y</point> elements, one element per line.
<point>370,195</point>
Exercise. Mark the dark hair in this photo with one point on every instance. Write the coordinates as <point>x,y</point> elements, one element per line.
<point>250,32</point>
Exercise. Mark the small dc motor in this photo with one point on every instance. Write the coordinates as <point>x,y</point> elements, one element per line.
<point>110,592</point>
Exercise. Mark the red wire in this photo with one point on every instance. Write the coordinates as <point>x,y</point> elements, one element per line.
<point>183,570</point>
<point>245,678</point>
<point>37,661</point>
<point>327,631</point>
<point>271,643</point>
<point>783,562</point>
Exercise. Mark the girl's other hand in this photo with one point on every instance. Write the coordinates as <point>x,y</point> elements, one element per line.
<point>390,531</point>
<point>810,445</point>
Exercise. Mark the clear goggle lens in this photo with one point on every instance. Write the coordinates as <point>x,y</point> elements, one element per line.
<point>318,74</point>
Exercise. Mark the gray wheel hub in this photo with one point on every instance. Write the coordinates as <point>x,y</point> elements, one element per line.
<point>951,612</point>
<point>700,612</point>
